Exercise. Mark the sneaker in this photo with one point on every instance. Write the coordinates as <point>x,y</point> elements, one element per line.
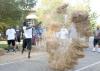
<point>23,50</point>
<point>94,49</point>
<point>29,56</point>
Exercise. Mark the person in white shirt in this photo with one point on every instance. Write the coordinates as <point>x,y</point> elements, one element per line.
<point>27,42</point>
<point>63,36</point>
<point>11,34</point>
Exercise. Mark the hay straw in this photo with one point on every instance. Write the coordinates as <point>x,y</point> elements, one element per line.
<point>62,9</point>
<point>82,23</point>
<point>60,60</point>
<point>66,58</point>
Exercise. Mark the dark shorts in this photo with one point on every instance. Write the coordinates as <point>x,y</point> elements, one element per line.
<point>18,39</point>
<point>11,42</point>
<point>27,43</point>
<point>96,41</point>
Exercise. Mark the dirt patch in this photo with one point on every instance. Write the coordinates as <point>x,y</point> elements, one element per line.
<point>2,52</point>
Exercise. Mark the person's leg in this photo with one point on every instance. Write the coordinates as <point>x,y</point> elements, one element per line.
<point>13,46</point>
<point>9,42</point>
<point>24,45</point>
<point>29,46</point>
<point>18,43</point>
<point>98,49</point>
<point>95,42</point>
<point>19,40</point>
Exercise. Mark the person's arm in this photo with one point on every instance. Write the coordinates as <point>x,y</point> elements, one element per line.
<point>30,26</point>
<point>6,34</point>
<point>15,33</point>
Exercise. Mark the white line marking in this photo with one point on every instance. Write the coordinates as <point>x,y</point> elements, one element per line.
<point>91,65</point>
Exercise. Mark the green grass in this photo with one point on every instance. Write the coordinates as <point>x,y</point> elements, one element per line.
<point>4,46</point>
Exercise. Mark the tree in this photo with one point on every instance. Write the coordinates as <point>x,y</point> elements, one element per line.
<point>26,4</point>
<point>13,12</point>
<point>9,10</point>
<point>46,11</point>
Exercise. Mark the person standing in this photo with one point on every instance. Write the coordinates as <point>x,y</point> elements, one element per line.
<point>18,35</point>
<point>39,32</point>
<point>11,33</point>
<point>63,36</point>
<point>27,43</point>
<point>97,39</point>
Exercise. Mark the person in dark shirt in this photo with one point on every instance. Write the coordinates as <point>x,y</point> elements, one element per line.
<point>96,38</point>
<point>18,37</point>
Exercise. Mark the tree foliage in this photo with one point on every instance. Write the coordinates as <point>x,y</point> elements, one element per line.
<point>46,11</point>
<point>11,12</point>
<point>9,9</point>
<point>26,4</point>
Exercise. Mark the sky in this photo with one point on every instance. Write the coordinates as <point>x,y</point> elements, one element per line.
<point>95,6</point>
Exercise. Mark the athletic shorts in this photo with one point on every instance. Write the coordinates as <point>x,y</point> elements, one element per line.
<point>11,42</point>
<point>96,41</point>
<point>18,38</point>
<point>27,43</point>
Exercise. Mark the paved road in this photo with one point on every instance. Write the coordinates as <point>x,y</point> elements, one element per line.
<point>91,62</point>
<point>39,63</point>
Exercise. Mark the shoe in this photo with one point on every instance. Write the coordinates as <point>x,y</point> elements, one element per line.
<point>94,49</point>
<point>29,56</point>
<point>13,50</point>
<point>22,50</point>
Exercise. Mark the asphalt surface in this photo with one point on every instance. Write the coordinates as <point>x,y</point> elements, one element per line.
<point>91,62</point>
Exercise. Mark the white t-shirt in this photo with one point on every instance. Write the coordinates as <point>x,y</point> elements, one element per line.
<point>62,34</point>
<point>10,33</point>
<point>27,32</point>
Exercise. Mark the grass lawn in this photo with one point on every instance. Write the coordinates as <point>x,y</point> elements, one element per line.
<point>3,46</point>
